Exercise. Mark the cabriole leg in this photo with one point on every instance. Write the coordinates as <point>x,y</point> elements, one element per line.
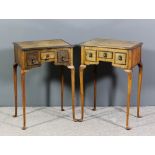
<point>139,88</point>
<point>73,91</point>
<point>15,87</point>
<point>23,72</point>
<point>94,76</point>
<point>82,67</point>
<point>62,89</point>
<point>129,73</point>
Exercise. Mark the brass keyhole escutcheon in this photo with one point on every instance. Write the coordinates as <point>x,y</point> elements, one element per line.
<point>120,58</point>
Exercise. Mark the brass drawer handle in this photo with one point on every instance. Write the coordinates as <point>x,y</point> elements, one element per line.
<point>34,61</point>
<point>47,56</point>
<point>62,58</point>
<point>105,55</point>
<point>120,57</point>
<point>90,55</point>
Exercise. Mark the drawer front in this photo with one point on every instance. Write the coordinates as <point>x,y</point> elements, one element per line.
<point>32,58</point>
<point>47,55</point>
<point>105,55</point>
<point>62,56</point>
<point>120,58</point>
<point>91,55</point>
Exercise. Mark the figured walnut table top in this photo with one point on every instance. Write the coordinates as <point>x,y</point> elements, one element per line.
<point>110,43</point>
<point>56,43</point>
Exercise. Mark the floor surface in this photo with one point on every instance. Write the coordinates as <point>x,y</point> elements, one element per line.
<point>106,121</point>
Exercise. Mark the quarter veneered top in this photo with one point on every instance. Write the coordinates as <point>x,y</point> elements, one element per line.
<point>110,43</point>
<point>42,44</point>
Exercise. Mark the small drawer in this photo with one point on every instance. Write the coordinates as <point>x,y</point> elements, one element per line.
<point>91,55</point>
<point>105,55</point>
<point>62,56</point>
<point>47,55</point>
<point>120,58</point>
<point>32,58</point>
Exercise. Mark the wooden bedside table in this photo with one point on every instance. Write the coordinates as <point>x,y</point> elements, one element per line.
<point>31,54</point>
<point>122,54</point>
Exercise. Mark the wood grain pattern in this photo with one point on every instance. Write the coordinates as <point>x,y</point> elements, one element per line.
<point>130,58</point>
<point>62,88</point>
<point>136,56</point>
<point>73,91</point>
<point>81,70</point>
<point>129,73</point>
<point>42,44</point>
<point>47,55</point>
<point>23,72</point>
<point>15,87</point>
<point>110,43</point>
<point>35,58</point>
<point>122,54</point>
<point>31,54</point>
<point>111,56</point>
<point>95,88</point>
<point>139,88</point>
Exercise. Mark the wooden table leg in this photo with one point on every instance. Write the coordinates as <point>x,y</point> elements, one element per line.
<point>82,67</point>
<point>94,78</point>
<point>129,72</point>
<point>23,97</point>
<point>139,88</point>
<point>15,87</point>
<point>62,88</point>
<point>73,91</point>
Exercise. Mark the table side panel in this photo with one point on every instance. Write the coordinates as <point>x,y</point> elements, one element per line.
<point>136,56</point>
<point>19,56</point>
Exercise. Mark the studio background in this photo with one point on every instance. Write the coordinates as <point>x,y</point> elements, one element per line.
<point>43,83</point>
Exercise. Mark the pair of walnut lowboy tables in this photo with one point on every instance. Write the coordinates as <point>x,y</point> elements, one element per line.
<point>122,54</point>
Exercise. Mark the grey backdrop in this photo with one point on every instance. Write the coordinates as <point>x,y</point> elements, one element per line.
<point>43,85</point>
